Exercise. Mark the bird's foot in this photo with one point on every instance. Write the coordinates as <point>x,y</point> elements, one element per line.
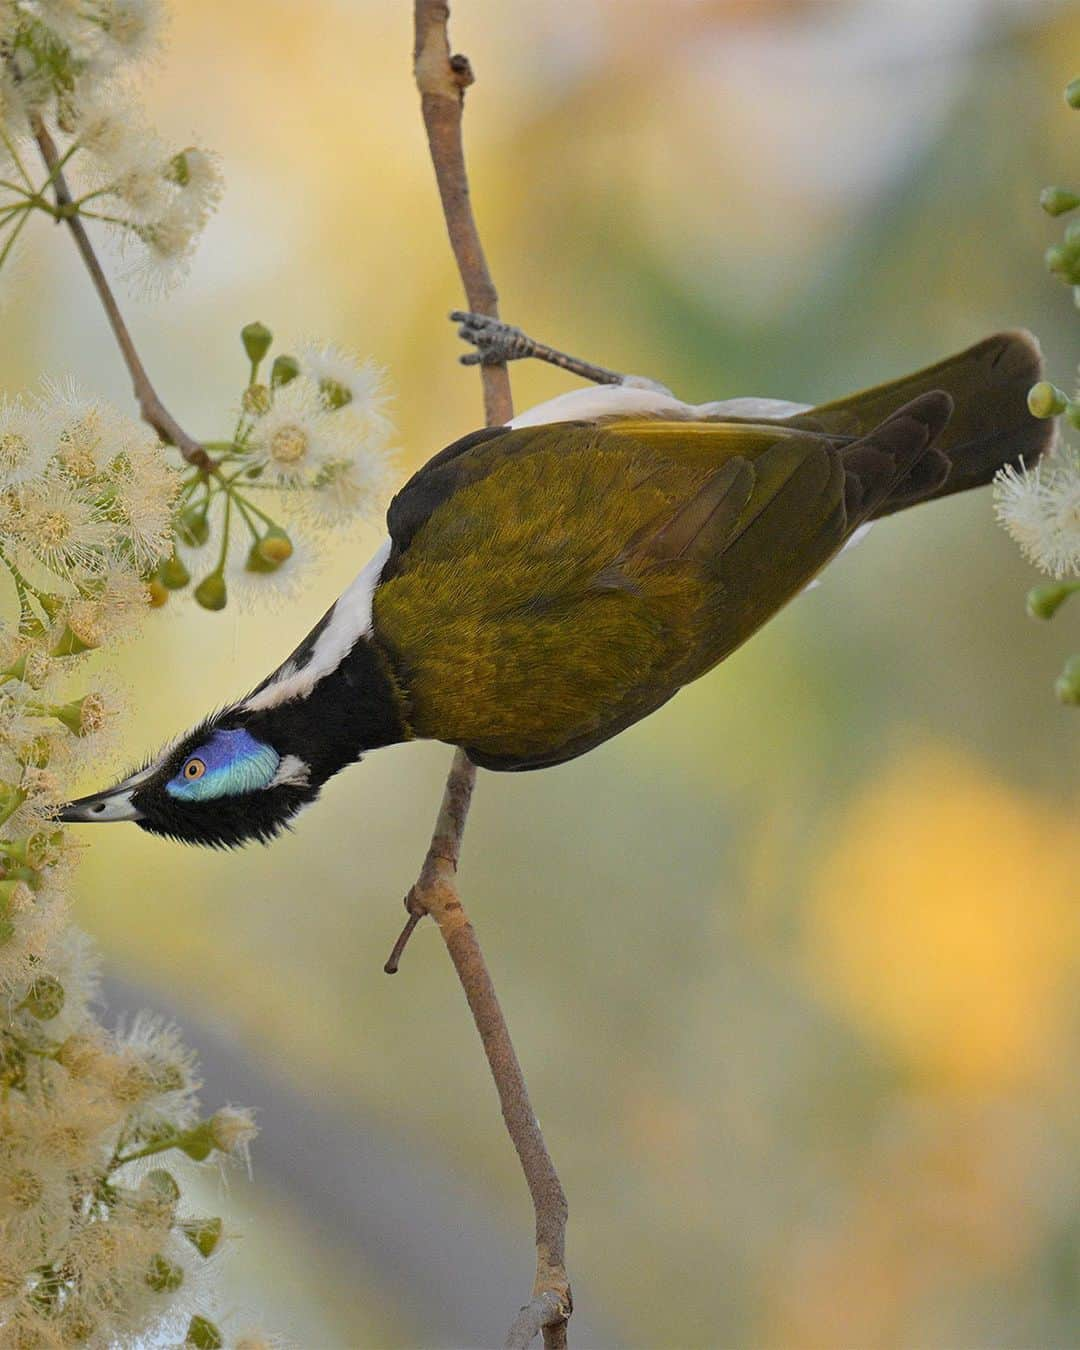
<point>497,342</point>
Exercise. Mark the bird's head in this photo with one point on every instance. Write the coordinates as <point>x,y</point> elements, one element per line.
<point>229,781</point>
<point>247,770</point>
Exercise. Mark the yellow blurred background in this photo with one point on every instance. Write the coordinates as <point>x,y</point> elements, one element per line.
<point>792,966</point>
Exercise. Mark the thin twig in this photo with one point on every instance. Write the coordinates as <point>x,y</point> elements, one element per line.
<point>393,961</point>
<point>442,79</point>
<point>150,405</point>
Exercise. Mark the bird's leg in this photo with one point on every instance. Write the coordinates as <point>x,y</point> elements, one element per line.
<point>496,342</point>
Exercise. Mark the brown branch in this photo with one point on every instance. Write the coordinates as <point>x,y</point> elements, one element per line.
<point>442,79</point>
<point>150,405</point>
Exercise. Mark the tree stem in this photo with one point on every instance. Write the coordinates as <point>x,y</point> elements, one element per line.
<point>442,79</point>
<point>151,407</point>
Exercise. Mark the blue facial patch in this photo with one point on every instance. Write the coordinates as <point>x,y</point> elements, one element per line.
<point>228,765</point>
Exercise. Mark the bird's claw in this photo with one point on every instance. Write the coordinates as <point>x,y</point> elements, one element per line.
<point>495,342</point>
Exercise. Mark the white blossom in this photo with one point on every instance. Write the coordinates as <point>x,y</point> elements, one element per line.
<point>296,436</point>
<point>1040,508</point>
<point>24,442</point>
<point>62,525</point>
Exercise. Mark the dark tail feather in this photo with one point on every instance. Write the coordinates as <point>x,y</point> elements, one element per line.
<point>989,428</point>
<point>892,453</point>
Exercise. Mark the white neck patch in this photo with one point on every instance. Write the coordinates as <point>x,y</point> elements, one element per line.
<point>350,620</point>
<point>292,771</point>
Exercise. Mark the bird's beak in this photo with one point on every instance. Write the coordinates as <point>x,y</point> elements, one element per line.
<point>115,804</point>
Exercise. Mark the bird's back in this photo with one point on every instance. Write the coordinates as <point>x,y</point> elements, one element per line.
<point>550,584</point>
<point>566,580</point>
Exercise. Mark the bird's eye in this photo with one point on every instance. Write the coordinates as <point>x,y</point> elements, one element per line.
<point>194,768</point>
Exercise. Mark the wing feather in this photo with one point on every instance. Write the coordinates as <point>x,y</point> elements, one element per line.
<point>551,585</point>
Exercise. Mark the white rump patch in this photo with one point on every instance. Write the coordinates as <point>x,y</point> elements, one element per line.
<point>644,399</point>
<point>350,620</point>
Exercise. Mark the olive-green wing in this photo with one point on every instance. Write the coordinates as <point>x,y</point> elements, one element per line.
<point>551,585</point>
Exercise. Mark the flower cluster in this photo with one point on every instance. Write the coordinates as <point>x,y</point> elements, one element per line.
<point>1063,259</point>
<point>64,72</point>
<point>311,441</point>
<point>96,1247</point>
<point>1040,506</point>
<point>86,508</point>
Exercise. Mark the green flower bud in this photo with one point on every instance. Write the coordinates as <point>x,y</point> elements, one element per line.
<point>1064,259</point>
<point>51,604</point>
<point>256,562</point>
<point>334,395</point>
<point>1072,413</point>
<point>203,1234</point>
<point>11,798</point>
<point>1043,602</point>
<point>1055,201</point>
<point>1046,399</point>
<point>160,1185</point>
<point>256,338</point>
<point>256,400</point>
<point>172,574</point>
<point>193,528</point>
<point>284,370</point>
<point>203,1335</point>
<point>82,717</point>
<point>70,644</point>
<point>1072,93</point>
<point>12,1062</point>
<point>1067,684</point>
<point>198,1142</point>
<point>211,592</point>
<point>177,170</point>
<point>1056,259</point>
<point>159,595</point>
<point>45,998</point>
<point>275,547</point>
<point>164,1276</point>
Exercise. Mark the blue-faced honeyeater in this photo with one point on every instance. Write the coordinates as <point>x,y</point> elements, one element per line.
<point>548,583</point>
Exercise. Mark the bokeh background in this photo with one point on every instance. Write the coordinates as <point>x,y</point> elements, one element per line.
<point>792,966</point>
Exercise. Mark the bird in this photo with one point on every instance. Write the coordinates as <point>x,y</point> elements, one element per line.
<point>547,583</point>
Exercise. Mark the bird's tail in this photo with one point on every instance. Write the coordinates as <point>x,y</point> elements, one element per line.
<point>990,425</point>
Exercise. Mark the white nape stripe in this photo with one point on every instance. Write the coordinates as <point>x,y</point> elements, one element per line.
<point>350,620</point>
<point>634,400</point>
